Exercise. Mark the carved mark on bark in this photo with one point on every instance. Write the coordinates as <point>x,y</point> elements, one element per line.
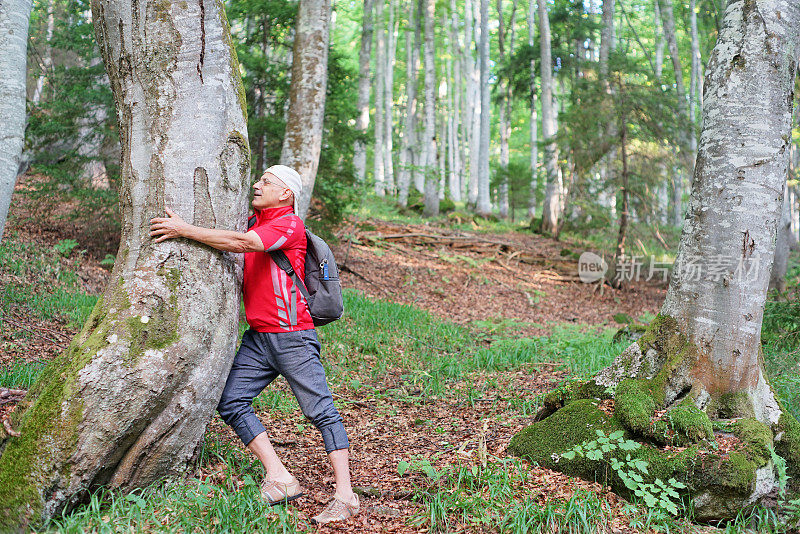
<point>202,40</point>
<point>203,209</point>
<point>748,244</point>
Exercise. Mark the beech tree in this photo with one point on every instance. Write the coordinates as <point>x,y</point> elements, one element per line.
<point>699,360</point>
<point>14,16</point>
<point>429,136</point>
<point>302,141</point>
<point>362,121</point>
<point>128,402</point>
<point>552,196</point>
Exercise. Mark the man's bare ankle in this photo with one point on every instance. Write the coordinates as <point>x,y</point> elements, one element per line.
<point>284,478</point>
<point>347,497</point>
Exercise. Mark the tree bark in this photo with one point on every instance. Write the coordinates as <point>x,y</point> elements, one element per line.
<point>362,106</point>
<point>128,402</point>
<point>553,190</point>
<point>302,141</point>
<point>484,206</point>
<point>14,18</point>
<point>47,57</point>
<point>429,136</point>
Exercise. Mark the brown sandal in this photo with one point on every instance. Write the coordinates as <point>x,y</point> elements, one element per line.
<point>274,492</point>
<point>336,510</point>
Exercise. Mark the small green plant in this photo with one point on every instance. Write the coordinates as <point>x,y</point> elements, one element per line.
<point>421,465</point>
<point>657,494</point>
<point>65,247</point>
<point>108,261</point>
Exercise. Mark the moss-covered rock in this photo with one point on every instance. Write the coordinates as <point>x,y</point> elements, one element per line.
<point>719,483</point>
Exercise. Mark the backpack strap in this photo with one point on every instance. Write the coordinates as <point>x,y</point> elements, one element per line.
<point>280,258</point>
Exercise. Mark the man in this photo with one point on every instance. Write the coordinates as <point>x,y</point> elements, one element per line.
<point>281,339</point>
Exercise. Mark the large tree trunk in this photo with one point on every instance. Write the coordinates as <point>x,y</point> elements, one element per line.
<point>14,17</point>
<point>700,359</point>
<point>362,106</point>
<point>302,141</point>
<point>553,190</point>
<point>484,206</point>
<point>128,402</point>
<point>429,135</point>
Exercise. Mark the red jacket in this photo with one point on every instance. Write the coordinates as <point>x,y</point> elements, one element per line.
<point>271,301</point>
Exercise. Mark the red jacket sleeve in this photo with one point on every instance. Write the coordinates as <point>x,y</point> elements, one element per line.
<point>282,233</point>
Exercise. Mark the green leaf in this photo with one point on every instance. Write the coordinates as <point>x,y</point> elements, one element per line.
<point>594,455</point>
<point>402,467</point>
<point>617,434</point>
<point>630,484</point>
<point>600,433</point>
<point>649,500</point>
<point>569,455</point>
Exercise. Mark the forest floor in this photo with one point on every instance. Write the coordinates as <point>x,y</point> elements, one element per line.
<point>449,341</point>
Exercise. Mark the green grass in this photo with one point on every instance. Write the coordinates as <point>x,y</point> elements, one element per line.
<point>198,506</point>
<point>44,279</point>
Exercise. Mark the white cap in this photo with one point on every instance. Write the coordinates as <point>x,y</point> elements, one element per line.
<point>291,179</point>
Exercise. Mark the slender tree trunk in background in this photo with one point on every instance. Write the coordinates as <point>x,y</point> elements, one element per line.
<point>362,106</point>
<point>552,197</point>
<point>90,142</point>
<point>453,109</point>
<point>419,150</point>
<point>14,19</point>
<point>409,139</point>
<point>619,253</point>
<point>484,206</point>
<point>504,119</point>
<point>441,144</point>
<point>784,243</point>
<point>456,88</point>
<point>429,135</point>
<point>700,359</point>
<point>380,88</point>
<point>302,141</point>
<point>686,154</point>
<point>606,41</point>
<point>474,94</point>
<point>695,72</point>
<point>388,95</point>
<point>676,188</point>
<point>534,119</point>
<point>47,57</point>
<point>127,404</point>
<point>659,32</point>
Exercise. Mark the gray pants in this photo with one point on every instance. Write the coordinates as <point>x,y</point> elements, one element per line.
<point>260,359</point>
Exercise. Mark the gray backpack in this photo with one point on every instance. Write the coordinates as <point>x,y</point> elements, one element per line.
<point>321,287</point>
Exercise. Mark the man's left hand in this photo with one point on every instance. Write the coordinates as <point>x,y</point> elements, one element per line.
<point>167,227</point>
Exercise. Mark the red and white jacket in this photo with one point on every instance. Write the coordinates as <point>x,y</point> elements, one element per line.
<point>271,301</point>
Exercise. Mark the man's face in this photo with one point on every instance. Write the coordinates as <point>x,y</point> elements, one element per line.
<point>269,192</point>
